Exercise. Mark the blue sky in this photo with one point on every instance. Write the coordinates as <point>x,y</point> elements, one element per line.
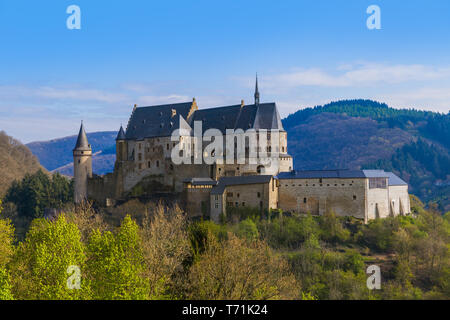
<point>151,52</point>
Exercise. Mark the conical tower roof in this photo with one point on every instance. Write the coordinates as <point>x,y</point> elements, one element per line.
<point>121,134</point>
<point>82,141</point>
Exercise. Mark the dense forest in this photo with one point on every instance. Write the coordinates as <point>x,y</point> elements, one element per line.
<point>149,251</point>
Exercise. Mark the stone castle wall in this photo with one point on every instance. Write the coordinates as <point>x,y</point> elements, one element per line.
<point>317,196</point>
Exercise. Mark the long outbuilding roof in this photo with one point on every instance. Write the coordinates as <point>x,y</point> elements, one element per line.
<point>239,180</point>
<point>343,174</point>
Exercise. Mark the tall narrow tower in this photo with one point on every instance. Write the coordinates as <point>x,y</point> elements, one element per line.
<point>82,166</point>
<point>256,91</point>
<point>121,146</point>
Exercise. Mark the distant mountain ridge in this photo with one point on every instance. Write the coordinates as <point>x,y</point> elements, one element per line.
<point>56,154</point>
<point>344,134</point>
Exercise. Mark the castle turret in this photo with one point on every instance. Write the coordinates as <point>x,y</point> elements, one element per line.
<point>121,146</point>
<point>82,166</point>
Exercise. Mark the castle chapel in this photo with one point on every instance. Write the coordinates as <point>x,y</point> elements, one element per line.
<point>232,156</point>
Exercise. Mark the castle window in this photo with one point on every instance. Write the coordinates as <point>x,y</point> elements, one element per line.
<point>230,204</point>
<point>259,194</point>
<point>157,164</point>
<point>140,146</point>
<point>243,204</point>
<point>375,183</point>
<point>238,195</point>
<point>140,156</point>
<point>328,185</point>
<point>149,164</point>
<point>78,160</point>
<point>229,194</point>
<point>282,149</point>
<point>168,147</point>
<point>237,204</point>
<point>320,180</point>
<point>216,205</point>
<point>171,167</point>
<point>216,197</point>
<point>354,197</point>
<point>304,200</point>
<point>140,166</point>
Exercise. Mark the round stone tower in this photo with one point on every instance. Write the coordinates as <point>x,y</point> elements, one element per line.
<point>82,166</point>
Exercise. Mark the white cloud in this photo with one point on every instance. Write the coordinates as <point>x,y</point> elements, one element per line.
<point>357,75</point>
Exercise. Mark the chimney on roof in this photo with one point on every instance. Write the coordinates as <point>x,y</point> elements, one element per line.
<point>193,108</point>
<point>242,103</point>
<point>174,113</point>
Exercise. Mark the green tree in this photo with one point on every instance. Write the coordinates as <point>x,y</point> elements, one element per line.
<point>116,264</point>
<point>6,251</point>
<point>333,229</point>
<point>36,192</point>
<point>5,285</point>
<point>40,264</point>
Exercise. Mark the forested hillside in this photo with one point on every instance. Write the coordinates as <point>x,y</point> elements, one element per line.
<point>16,160</point>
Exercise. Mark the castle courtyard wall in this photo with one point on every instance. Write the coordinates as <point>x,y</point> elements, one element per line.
<point>317,196</point>
<point>399,200</point>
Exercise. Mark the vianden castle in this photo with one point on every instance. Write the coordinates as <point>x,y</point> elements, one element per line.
<point>233,156</point>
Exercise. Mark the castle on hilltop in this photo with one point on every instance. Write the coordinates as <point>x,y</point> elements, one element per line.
<point>245,163</point>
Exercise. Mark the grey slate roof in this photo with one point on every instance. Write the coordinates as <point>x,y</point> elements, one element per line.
<point>82,141</point>
<point>239,180</point>
<point>201,181</point>
<point>156,121</point>
<point>221,118</point>
<point>121,134</point>
<point>267,117</point>
<point>393,179</point>
<point>342,173</point>
<point>318,174</point>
